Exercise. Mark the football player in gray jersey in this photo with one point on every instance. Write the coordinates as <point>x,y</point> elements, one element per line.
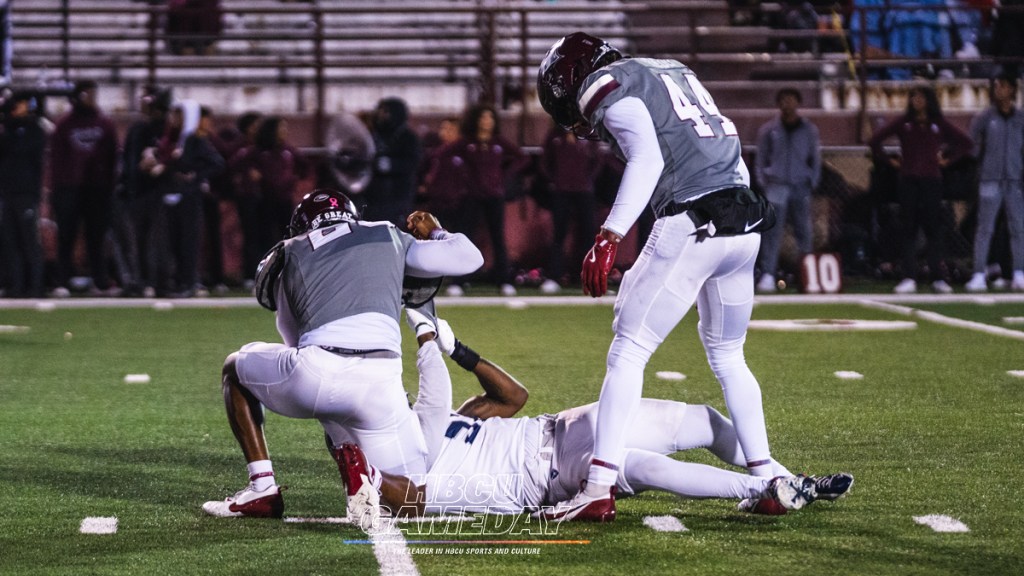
<point>683,159</point>
<point>336,286</point>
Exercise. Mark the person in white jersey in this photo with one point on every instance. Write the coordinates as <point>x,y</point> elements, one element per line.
<point>683,159</point>
<point>483,459</point>
<point>336,286</point>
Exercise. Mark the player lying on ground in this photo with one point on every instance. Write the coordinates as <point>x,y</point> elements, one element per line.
<point>488,461</point>
<point>336,286</point>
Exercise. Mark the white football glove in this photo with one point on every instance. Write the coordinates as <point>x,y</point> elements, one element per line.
<point>419,322</point>
<point>445,337</point>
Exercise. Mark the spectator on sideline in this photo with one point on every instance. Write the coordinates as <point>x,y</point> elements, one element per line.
<point>569,165</point>
<point>490,159</point>
<point>928,142</point>
<point>998,134</point>
<point>788,168</point>
<point>22,148</point>
<point>139,193</point>
<point>187,159</point>
<point>444,184</point>
<point>271,169</point>
<point>232,183</point>
<point>392,189</point>
<point>83,164</point>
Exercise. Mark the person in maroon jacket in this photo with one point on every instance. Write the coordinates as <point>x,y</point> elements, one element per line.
<point>270,171</point>
<point>928,143</point>
<point>490,159</point>
<point>83,163</point>
<point>444,184</point>
<point>569,165</point>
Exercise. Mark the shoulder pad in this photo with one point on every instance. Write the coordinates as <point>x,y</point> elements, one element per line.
<point>266,276</point>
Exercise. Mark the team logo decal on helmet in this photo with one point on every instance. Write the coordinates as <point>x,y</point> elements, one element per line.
<point>319,208</point>
<point>563,70</point>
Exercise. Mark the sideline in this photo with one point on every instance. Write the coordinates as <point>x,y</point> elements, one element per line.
<point>516,302</point>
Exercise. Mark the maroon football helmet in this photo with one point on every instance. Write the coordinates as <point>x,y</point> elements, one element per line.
<point>565,66</point>
<point>320,208</point>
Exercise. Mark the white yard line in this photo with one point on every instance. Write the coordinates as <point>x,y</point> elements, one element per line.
<point>944,320</point>
<point>98,525</point>
<point>392,552</point>
<point>664,524</point>
<point>942,523</point>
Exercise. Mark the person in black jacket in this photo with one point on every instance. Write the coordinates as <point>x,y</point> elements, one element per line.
<point>187,160</point>
<point>22,146</point>
<point>138,195</point>
<point>392,190</point>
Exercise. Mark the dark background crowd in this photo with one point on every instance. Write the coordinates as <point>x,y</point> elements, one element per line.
<point>185,204</point>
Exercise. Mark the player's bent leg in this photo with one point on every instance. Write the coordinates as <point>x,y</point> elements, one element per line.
<point>650,471</point>
<point>262,497</point>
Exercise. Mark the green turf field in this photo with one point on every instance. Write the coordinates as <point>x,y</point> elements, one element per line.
<point>935,427</point>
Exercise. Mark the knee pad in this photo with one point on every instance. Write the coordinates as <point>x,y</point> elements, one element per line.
<point>626,351</point>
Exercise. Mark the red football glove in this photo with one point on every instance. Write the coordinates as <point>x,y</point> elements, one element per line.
<point>596,265</point>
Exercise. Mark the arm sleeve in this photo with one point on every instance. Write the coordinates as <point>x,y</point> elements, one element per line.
<point>450,255</point>
<point>287,325</point>
<point>433,405</point>
<point>629,122</point>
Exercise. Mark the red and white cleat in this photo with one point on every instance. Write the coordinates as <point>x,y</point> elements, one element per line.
<point>363,506</point>
<point>583,508</point>
<point>249,502</point>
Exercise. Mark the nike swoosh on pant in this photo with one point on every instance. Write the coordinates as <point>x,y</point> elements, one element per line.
<point>749,227</point>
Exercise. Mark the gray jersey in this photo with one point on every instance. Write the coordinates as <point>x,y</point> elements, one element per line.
<point>343,270</point>
<point>700,147</point>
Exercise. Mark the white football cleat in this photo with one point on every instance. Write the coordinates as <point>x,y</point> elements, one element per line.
<point>249,502</point>
<point>363,505</point>
<point>550,287</point>
<point>792,492</point>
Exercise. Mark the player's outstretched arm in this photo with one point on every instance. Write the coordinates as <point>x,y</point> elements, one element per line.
<point>503,395</point>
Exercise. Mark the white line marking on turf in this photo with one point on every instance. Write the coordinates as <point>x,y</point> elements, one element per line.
<point>391,551</point>
<point>136,379</point>
<point>830,325</point>
<point>1016,373</point>
<point>945,320</point>
<point>664,524</point>
<point>99,525</point>
<point>1014,319</point>
<point>849,375</point>
<point>8,329</point>
<point>942,523</point>
<point>670,375</point>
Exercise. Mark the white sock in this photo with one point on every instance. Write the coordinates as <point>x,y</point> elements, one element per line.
<point>261,474</point>
<point>620,398</point>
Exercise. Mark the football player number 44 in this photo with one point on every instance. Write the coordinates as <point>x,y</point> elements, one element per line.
<point>688,111</point>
